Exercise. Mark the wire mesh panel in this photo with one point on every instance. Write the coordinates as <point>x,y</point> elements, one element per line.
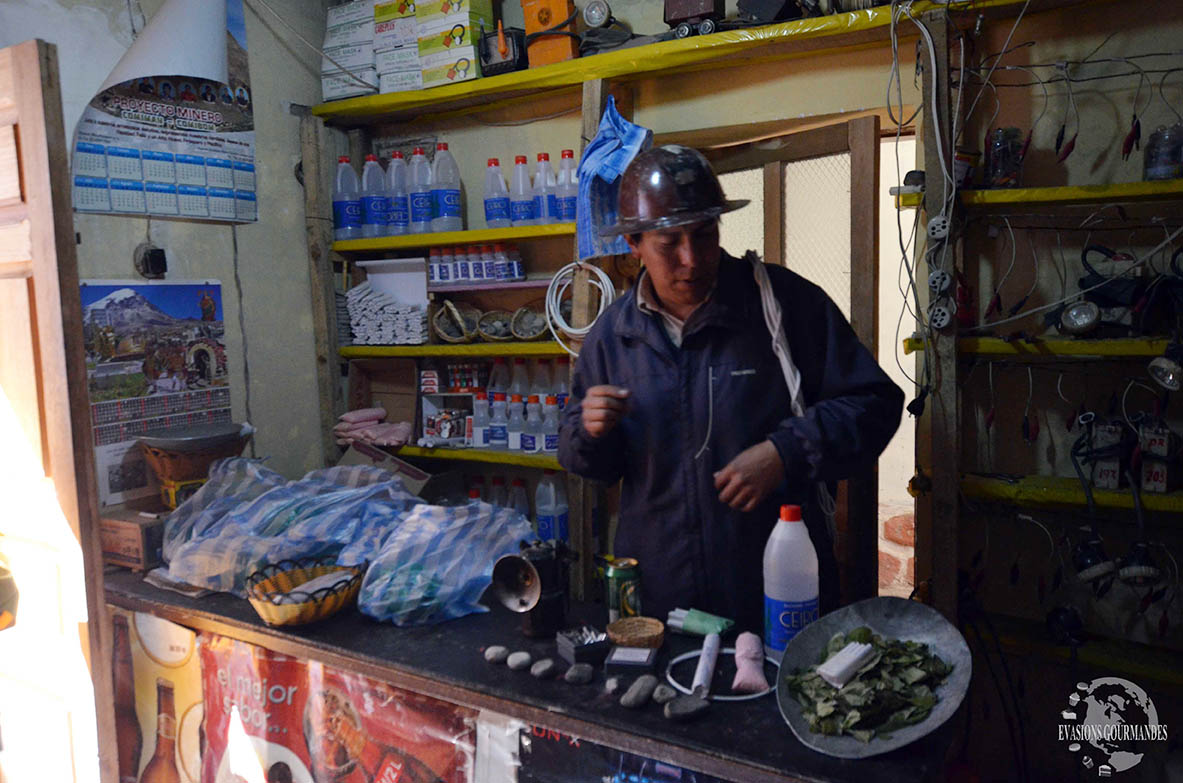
<point>817,223</point>
<point>743,229</point>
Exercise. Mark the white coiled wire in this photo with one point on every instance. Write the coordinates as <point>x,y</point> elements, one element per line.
<point>554,298</point>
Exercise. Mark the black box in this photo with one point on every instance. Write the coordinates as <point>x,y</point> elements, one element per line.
<point>572,651</point>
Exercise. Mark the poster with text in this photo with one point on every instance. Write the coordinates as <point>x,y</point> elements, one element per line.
<point>155,360</point>
<point>171,133</point>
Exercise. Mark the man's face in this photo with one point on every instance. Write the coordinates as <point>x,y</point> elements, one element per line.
<point>682,262</point>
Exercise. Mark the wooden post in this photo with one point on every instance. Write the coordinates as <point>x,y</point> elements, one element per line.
<point>318,228</point>
<point>938,446</point>
<point>774,213</point>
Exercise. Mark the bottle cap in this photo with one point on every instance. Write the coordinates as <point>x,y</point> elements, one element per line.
<point>568,153</point>
<point>343,159</point>
<point>519,483</point>
<point>519,360</point>
<point>564,360</point>
<point>498,396</point>
<point>418,151</point>
<point>397,154</point>
<point>441,145</point>
<point>499,247</point>
<point>433,253</point>
<point>552,400</point>
<point>499,359</point>
<point>481,395</point>
<point>372,157</point>
<point>544,361</point>
<point>486,248</point>
<point>544,156</point>
<point>474,494</point>
<point>519,159</point>
<point>516,398</point>
<point>532,399</point>
<point>494,162</point>
<point>499,481</point>
<point>790,513</point>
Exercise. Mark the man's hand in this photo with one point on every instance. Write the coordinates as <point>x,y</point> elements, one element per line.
<point>602,408</point>
<point>748,478</point>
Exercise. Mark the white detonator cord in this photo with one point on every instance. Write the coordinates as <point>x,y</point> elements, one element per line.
<point>780,346</point>
<point>554,298</point>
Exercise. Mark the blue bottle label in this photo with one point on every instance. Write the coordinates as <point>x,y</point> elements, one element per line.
<point>784,619</point>
<point>551,442</point>
<point>496,209</point>
<point>480,437</point>
<point>445,202</point>
<point>373,209</point>
<point>478,271</point>
<point>516,271</point>
<point>567,209</point>
<point>490,270</point>
<point>562,401</point>
<point>552,205</point>
<point>529,442</point>
<point>498,433</point>
<point>347,214</point>
<point>399,214</point>
<point>433,272</point>
<point>561,526</point>
<point>522,210</point>
<point>462,270</point>
<point>420,206</point>
<point>546,527</point>
<point>445,273</point>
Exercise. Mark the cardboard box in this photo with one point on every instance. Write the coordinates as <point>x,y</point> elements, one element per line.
<point>396,34</point>
<point>132,535</point>
<point>432,487</point>
<point>354,57</point>
<point>448,35</point>
<point>350,13</point>
<point>398,9</point>
<point>402,59</point>
<point>431,11</point>
<point>339,85</point>
<point>349,34</point>
<point>451,67</point>
<point>400,81</point>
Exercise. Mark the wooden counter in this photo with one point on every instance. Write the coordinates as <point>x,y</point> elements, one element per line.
<point>746,741</point>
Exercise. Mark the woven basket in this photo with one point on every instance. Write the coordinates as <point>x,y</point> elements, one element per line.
<point>463,316</point>
<point>519,332</point>
<point>488,318</point>
<point>269,588</point>
<point>637,632</point>
<point>189,465</point>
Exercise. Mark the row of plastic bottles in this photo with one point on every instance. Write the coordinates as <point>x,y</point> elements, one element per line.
<point>544,383</point>
<point>414,198</point>
<point>551,512</point>
<point>503,425</point>
<point>531,199</point>
<point>473,264</point>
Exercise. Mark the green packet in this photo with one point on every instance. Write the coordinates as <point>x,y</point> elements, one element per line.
<point>695,622</point>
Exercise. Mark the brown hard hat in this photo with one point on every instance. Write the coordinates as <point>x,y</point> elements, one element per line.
<point>668,186</point>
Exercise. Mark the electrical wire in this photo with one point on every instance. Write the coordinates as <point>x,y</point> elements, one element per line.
<point>310,45</point>
<point>1009,36</point>
<point>554,297</point>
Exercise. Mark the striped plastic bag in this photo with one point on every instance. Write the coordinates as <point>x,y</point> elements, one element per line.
<point>435,565</point>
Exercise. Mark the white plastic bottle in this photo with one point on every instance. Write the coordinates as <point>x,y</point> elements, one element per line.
<point>541,383</point>
<point>476,265</point>
<point>496,196</point>
<point>448,265</point>
<point>398,217</point>
<point>790,581</point>
<point>501,270</point>
<point>499,495</point>
<point>498,423</point>
<point>532,434</point>
<point>517,270</point>
<point>499,376</point>
<point>442,274</point>
<point>460,266</point>
<point>374,203</point>
<point>490,263</point>
<point>521,195</point>
<point>478,482</point>
<point>346,202</point>
<point>562,372</point>
<point>518,500</point>
<point>566,189</point>
<point>517,422</point>
<point>550,507</point>
<point>480,420</point>
<point>550,425</point>
<point>419,192</point>
<point>546,205</point>
<point>445,191</point>
<point>519,383</point>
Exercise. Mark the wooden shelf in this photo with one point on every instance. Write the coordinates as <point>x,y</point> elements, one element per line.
<point>1128,348</point>
<point>1060,491</point>
<point>481,236</point>
<point>483,455</point>
<point>536,282</point>
<point>1161,190</point>
<point>737,48</point>
<point>447,349</point>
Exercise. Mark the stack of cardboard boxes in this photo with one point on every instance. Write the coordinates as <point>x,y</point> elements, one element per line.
<point>348,65</point>
<point>449,32</point>
<point>396,47</point>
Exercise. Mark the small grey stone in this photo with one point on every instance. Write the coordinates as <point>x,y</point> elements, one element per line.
<point>519,661</point>
<point>663,693</point>
<point>544,669</point>
<point>686,708</point>
<point>496,654</point>
<point>612,684</point>
<point>580,674</point>
<point>639,692</point>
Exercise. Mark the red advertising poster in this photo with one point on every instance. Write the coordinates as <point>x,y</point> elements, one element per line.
<point>271,718</point>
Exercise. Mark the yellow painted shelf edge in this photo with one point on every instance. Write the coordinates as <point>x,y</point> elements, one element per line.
<point>446,349</point>
<point>1061,491</point>
<point>480,236</point>
<point>1074,194</point>
<point>995,346</point>
<point>481,455</point>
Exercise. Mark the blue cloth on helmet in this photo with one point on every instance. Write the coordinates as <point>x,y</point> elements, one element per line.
<point>606,157</point>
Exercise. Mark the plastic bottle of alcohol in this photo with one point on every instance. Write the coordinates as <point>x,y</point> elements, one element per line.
<point>518,500</point>
<point>398,217</point>
<point>476,265</point>
<point>519,383</point>
<point>550,425</point>
<point>517,422</point>
<point>517,270</point>
<point>460,265</point>
<point>499,496</point>
<point>499,376</point>
<point>790,581</point>
<point>498,423</point>
<point>346,202</point>
<point>541,167</point>
<point>441,274</point>
<point>490,263</point>
<point>542,383</point>
<point>419,192</point>
<point>566,189</point>
<point>532,434</point>
<point>448,265</point>
<point>445,191</point>
<point>501,268</point>
<point>521,195</point>
<point>374,203</point>
<point>562,372</point>
<point>480,420</point>
<point>550,508</point>
<point>546,204</point>
<point>496,196</point>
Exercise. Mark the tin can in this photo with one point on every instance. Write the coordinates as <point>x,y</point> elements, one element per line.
<point>622,578</point>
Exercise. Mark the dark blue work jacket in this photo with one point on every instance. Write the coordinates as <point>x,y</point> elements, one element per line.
<point>693,409</point>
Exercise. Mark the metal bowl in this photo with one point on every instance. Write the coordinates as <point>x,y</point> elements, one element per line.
<point>198,438</point>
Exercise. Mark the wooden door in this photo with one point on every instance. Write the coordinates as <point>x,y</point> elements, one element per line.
<point>43,370</point>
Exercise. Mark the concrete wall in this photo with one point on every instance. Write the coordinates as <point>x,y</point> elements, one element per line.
<point>275,341</point>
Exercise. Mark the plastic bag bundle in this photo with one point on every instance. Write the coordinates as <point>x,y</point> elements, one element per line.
<point>437,563</point>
